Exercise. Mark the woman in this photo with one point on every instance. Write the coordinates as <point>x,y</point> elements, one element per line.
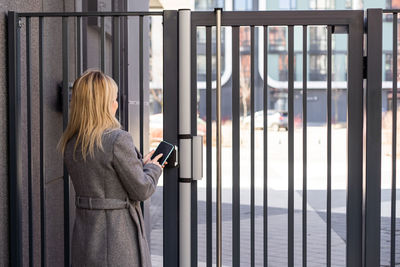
<point>109,176</point>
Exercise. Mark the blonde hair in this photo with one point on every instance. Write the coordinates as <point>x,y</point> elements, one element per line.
<point>90,112</point>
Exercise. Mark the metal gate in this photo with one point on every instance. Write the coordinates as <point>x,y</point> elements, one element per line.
<point>337,22</point>
<point>363,128</point>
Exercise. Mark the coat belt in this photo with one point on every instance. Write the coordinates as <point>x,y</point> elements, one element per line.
<point>116,204</point>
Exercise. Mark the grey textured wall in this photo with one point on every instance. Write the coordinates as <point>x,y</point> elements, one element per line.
<point>53,130</point>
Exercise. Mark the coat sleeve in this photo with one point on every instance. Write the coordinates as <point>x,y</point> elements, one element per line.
<point>139,180</point>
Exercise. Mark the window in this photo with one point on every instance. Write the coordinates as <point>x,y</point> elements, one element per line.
<point>318,69</point>
<point>287,4</point>
<point>388,75</point>
<point>204,5</point>
<point>283,67</point>
<point>322,4</point>
<point>318,39</point>
<point>277,40</point>
<point>243,4</point>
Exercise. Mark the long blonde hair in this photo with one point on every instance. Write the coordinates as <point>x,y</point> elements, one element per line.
<point>90,112</point>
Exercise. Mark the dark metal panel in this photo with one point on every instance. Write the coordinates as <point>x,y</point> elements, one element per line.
<point>265,110</point>
<point>252,110</point>
<point>209,146</point>
<point>102,44</point>
<point>116,59</point>
<point>29,132</point>
<point>373,138</point>
<point>78,46</point>
<point>272,18</point>
<point>42,149</point>
<point>394,146</point>
<point>304,242</point>
<point>193,130</point>
<point>170,125</point>
<point>329,149</point>
<point>291,147</point>
<point>235,147</point>
<point>65,60</point>
<point>141,93</point>
<point>355,142</point>
<point>14,143</point>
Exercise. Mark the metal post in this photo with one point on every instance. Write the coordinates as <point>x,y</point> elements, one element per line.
<point>170,133</point>
<point>354,141</point>
<point>65,58</point>
<point>14,135</point>
<point>219,174</point>
<point>185,139</point>
<point>373,107</point>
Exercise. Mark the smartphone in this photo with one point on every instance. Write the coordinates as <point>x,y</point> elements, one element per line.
<point>166,149</point>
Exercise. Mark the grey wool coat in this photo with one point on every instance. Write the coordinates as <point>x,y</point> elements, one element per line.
<point>109,228</point>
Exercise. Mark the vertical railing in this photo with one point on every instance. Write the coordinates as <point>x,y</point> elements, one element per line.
<point>373,108</point>
<point>170,123</point>
<point>209,146</point>
<point>304,110</point>
<point>65,105</point>
<point>265,156</point>
<point>29,132</point>
<point>290,145</point>
<point>355,141</point>
<point>42,149</point>
<point>394,145</point>
<point>14,135</point>
<point>329,149</point>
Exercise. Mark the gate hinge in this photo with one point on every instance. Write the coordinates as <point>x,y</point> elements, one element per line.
<point>364,67</point>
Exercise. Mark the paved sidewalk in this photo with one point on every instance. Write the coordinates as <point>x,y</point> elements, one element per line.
<point>277,230</point>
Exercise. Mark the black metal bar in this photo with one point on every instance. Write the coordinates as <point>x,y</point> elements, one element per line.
<point>278,18</point>
<point>29,131</point>
<point>355,142</point>
<point>392,11</point>
<point>329,149</point>
<point>170,124</point>
<point>304,243</point>
<point>252,110</point>
<point>65,54</point>
<point>102,44</point>
<point>116,61</point>
<point>90,14</point>
<point>235,148</point>
<point>85,43</point>
<point>42,151</point>
<point>209,146</point>
<point>14,137</point>
<point>78,46</point>
<point>141,92</point>
<point>394,147</point>
<point>290,147</point>
<point>193,106</point>
<point>265,108</point>
<point>373,139</point>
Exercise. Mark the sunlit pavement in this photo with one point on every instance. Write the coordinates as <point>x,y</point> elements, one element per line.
<point>277,167</point>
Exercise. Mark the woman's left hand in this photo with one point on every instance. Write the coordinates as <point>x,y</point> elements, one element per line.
<point>146,158</point>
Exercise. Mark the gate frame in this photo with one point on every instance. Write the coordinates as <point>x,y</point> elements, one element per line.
<point>354,20</point>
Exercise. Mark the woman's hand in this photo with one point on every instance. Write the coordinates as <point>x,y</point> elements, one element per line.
<point>155,161</point>
<point>146,159</point>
